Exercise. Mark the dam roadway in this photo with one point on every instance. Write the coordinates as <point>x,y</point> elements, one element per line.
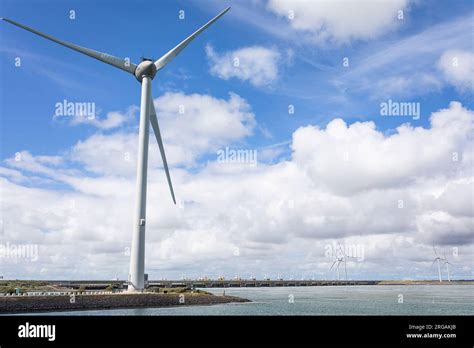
<point>244,283</point>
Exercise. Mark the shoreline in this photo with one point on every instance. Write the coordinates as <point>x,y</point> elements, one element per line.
<point>65,303</point>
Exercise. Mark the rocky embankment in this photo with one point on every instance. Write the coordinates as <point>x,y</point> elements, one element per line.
<point>56,303</point>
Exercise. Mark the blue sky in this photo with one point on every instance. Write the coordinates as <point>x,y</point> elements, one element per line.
<point>125,32</point>
<point>295,62</point>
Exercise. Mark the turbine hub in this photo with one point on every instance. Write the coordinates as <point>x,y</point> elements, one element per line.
<point>145,68</point>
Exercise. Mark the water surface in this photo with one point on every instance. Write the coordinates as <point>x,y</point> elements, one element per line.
<point>326,300</point>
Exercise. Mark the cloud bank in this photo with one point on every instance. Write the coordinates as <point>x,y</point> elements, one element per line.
<point>257,65</point>
<point>340,21</point>
<point>396,195</point>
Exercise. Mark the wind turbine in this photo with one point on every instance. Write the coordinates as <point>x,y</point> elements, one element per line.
<point>337,262</point>
<point>437,259</point>
<point>344,258</point>
<point>144,73</point>
<point>447,263</point>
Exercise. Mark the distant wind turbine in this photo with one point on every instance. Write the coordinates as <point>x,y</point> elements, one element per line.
<point>345,257</point>
<point>340,257</point>
<point>447,263</point>
<point>337,262</point>
<point>144,73</point>
<point>437,259</point>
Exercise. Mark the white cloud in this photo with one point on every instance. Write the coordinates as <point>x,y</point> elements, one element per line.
<point>25,161</point>
<point>358,157</point>
<point>256,64</point>
<point>406,85</point>
<point>113,119</point>
<point>457,67</point>
<point>191,126</point>
<point>340,21</point>
<point>409,67</point>
<point>195,124</point>
<point>113,154</point>
<point>277,216</point>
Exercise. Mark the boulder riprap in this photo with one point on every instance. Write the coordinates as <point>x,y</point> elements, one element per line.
<point>56,303</point>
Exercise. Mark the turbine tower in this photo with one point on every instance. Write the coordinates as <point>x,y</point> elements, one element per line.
<point>337,262</point>
<point>144,73</point>
<point>344,258</point>
<point>437,259</point>
<point>447,263</point>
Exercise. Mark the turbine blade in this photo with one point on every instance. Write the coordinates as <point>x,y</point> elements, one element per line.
<point>333,265</point>
<point>103,57</point>
<point>435,251</point>
<point>168,57</point>
<point>156,130</point>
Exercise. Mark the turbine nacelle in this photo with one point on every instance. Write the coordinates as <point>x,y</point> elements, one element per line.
<point>145,68</point>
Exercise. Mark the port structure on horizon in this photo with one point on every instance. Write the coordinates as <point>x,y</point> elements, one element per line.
<point>144,72</point>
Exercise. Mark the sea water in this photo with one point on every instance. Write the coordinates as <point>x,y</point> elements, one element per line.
<point>325,300</point>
